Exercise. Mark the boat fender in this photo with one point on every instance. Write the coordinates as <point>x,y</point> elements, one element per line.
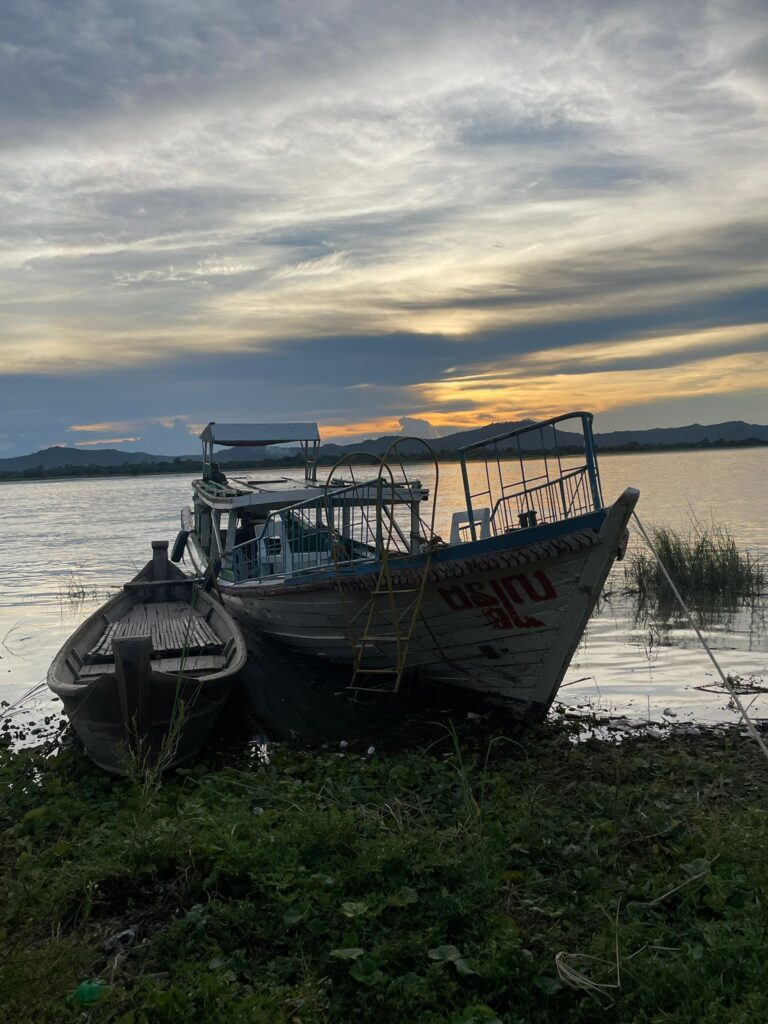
<point>179,545</point>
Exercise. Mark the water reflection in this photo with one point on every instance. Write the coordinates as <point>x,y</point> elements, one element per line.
<point>77,596</point>
<point>655,663</point>
<point>663,613</point>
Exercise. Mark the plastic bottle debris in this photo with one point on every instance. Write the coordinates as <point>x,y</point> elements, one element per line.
<point>87,992</point>
<point>122,940</point>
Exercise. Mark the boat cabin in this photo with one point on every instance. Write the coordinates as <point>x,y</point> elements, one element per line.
<point>250,526</point>
<point>254,525</point>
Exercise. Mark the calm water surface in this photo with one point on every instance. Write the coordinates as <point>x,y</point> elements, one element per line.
<point>66,543</point>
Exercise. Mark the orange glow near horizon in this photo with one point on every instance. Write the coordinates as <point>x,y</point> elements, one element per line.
<point>535,385</point>
<point>509,396</point>
<point>106,440</point>
<point>513,393</point>
<point>451,421</point>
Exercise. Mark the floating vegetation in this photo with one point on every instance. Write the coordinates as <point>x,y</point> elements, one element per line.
<point>752,684</point>
<point>706,564</point>
<point>75,591</point>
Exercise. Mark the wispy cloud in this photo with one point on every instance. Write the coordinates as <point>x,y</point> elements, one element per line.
<point>267,177</point>
<point>99,428</point>
<point>107,440</point>
<point>518,394</point>
<point>670,348</point>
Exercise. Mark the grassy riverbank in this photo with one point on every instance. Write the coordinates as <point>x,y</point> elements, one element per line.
<point>437,886</point>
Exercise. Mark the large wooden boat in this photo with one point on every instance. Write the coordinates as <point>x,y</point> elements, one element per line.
<point>352,570</point>
<point>144,678</point>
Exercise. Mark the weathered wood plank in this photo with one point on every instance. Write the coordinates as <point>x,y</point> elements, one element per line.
<point>194,664</point>
<point>173,626</point>
<point>133,657</point>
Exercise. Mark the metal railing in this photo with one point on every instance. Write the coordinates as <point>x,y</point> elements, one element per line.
<point>529,476</point>
<point>345,525</point>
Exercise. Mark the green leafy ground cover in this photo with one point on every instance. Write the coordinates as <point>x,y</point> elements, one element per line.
<point>432,886</point>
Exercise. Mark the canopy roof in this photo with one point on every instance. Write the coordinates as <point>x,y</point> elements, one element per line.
<point>258,434</point>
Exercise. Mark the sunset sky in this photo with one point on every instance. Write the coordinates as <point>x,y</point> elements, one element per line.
<point>381,216</point>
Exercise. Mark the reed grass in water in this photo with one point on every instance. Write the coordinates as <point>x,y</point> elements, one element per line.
<point>705,563</point>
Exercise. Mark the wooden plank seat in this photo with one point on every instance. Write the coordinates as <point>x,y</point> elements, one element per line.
<point>175,628</point>
<point>191,665</point>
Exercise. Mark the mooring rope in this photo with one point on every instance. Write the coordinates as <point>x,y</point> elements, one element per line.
<point>751,728</point>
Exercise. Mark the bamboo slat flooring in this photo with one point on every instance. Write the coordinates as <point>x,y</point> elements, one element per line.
<point>175,628</point>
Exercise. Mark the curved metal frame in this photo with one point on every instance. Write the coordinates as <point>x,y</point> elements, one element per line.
<point>393,447</point>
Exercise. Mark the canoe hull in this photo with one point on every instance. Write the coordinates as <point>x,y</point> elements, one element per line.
<point>178,720</point>
<point>178,701</point>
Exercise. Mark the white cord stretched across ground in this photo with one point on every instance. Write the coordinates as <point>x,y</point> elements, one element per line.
<point>751,728</point>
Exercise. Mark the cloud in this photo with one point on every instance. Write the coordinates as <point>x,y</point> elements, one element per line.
<point>297,190</point>
<point>329,264</point>
<point>211,266</point>
<point>416,427</point>
<point>517,394</point>
<point>164,435</point>
<point>99,428</point>
<point>107,440</point>
<point>669,348</point>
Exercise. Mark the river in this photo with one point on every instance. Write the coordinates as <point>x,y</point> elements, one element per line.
<point>67,542</point>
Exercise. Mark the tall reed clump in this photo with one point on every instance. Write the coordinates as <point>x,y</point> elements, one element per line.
<point>704,562</point>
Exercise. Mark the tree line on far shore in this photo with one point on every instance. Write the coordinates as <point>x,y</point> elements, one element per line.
<point>183,465</point>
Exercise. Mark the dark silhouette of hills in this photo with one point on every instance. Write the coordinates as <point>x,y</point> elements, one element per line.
<point>60,458</point>
<point>61,461</point>
<point>695,434</point>
<point>734,431</point>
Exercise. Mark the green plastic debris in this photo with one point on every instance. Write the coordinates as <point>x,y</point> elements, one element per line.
<point>88,992</point>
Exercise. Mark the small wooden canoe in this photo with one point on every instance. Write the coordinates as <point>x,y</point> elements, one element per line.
<point>143,679</point>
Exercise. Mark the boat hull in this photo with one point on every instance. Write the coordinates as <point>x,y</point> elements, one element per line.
<point>179,717</point>
<point>501,617</point>
<point>175,706</point>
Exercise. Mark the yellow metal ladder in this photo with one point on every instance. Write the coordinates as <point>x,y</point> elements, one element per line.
<point>387,621</point>
<point>383,610</point>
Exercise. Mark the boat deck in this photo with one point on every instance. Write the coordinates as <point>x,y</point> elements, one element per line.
<point>182,639</point>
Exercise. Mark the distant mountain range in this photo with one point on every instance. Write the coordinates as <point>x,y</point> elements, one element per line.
<point>62,460</point>
<point>732,432</point>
